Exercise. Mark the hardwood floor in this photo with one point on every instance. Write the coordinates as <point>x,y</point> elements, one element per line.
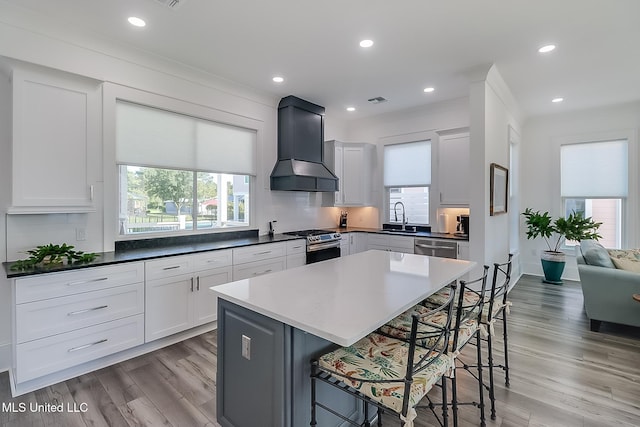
<point>561,375</point>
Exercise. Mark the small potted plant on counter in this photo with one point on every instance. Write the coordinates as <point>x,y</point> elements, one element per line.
<point>53,255</point>
<point>554,232</point>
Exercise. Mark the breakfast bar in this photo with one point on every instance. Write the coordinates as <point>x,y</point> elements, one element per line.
<point>270,327</point>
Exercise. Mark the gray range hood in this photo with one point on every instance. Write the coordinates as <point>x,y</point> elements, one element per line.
<point>300,164</point>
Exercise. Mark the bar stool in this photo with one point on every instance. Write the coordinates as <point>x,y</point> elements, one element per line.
<point>467,312</point>
<point>391,374</point>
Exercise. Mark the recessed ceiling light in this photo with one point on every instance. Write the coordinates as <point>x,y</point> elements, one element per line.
<point>278,79</point>
<point>366,43</point>
<point>547,48</point>
<point>351,108</point>
<point>429,89</point>
<point>556,100</point>
<point>136,22</point>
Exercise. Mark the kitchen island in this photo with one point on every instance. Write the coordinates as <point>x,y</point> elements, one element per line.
<point>270,327</point>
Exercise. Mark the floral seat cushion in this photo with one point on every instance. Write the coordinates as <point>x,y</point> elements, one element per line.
<point>377,357</point>
<point>400,327</point>
<point>469,299</point>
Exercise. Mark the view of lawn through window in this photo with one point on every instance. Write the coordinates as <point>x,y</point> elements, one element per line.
<point>162,200</point>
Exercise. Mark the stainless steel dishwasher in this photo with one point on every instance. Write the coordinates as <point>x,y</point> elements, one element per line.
<point>434,247</point>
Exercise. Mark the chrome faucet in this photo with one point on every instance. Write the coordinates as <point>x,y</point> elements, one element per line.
<point>395,212</point>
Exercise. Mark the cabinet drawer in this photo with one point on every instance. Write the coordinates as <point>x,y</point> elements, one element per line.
<point>298,246</point>
<point>377,240</point>
<point>213,259</point>
<point>68,283</point>
<point>258,252</point>
<point>297,260</point>
<point>58,315</point>
<point>168,267</point>
<point>401,242</point>
<point>44,356</point>
<point>258,268</point>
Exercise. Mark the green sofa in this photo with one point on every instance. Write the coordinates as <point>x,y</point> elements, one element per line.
<point>607,290</point>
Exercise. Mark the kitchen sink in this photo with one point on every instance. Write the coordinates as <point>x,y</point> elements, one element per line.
<point>402,228</point>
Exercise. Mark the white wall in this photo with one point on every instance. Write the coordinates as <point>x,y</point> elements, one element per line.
<point>541,139</point>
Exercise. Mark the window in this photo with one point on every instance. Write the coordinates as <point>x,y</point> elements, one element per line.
<point>179,174</point>
<point>407,177</point>
<point>594,182</point>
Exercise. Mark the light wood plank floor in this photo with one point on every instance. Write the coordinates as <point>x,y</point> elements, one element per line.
<point>562,375</point>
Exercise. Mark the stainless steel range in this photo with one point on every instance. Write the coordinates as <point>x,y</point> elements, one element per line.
<point>321,244</point>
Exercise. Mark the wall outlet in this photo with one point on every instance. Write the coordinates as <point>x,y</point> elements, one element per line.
<point>81,234</point>
<point>246,347</point>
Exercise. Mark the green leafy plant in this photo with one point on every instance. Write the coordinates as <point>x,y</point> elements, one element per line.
<point>53,255</point>
<point>575,227</point>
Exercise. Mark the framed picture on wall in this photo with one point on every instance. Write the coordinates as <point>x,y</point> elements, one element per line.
<point>498,189</point>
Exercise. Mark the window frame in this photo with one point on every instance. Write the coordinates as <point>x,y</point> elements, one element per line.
<point>405,139</point>
<point>112,93</point>
<point>630,220</point>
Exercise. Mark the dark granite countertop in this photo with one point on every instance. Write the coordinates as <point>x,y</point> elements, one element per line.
<point>145,249</point>
<point>431,234</point>
<point>151,251</point>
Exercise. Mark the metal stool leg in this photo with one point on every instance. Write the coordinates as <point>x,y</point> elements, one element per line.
<point>491,384</point>
<point>314,372</point>
<point>506,348</point>
<point>480,380</point>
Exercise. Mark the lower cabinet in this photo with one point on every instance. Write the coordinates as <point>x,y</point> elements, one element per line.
<point>264,365</point>
<point>181,299</point>
<point>463,251</point>
<point>65,319</point>
<point>385,242</point>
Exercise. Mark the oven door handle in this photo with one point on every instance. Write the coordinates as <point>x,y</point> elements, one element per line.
<point>321,246</point>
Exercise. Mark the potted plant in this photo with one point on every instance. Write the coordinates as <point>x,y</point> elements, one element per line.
<point>554,232</point>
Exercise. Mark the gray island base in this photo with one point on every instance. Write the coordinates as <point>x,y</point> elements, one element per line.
<point>270,327</point>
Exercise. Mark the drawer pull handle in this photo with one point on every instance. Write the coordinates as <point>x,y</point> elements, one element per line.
<point>84,282</point>
<point>263,253</point>
<point>171,268</point>
<point>264,272</point>
<point>86,310</point>
<point>82,347</point>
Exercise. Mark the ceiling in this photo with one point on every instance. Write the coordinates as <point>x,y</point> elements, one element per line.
<point>418,43</point>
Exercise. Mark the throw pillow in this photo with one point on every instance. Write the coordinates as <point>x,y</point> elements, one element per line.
<point>627,264</point>
<point>595,254</point>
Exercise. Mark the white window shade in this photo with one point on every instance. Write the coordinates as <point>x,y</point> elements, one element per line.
<point>594,169</point>
<point>407,164</point>
<point>152,137</point>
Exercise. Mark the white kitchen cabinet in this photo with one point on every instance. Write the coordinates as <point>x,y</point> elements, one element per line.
<point>345,246</point>
<point>357,242</point>
<point>453,169</point>
<point>177,291</point>
<point>256,260</point>
<point>463,251</point>
<point>386,242</point>
<point>353,164</point>
<point>56,147</point>
<point>296,253</point>
<point>65,319</point>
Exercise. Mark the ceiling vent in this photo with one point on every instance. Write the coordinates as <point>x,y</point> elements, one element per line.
<point>377,100</point>
<point>171,4</point>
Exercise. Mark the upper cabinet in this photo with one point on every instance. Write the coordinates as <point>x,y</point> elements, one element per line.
<point>353,164</point>
<point>453,169</point>
<point>56,137</point>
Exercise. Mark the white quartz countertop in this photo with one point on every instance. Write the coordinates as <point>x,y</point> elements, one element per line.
<point>344,299</point>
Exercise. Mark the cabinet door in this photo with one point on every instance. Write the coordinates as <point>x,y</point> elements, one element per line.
<point>345,244</point>
<point>168,306</point>
<point>56,142</point>
<point>205,302</point>
<point>453,169</point>
<point>463,250</point>
<point>353,176</point>
<point>357,243</point>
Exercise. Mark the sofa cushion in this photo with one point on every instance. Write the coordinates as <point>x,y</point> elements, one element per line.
<point>595,254</point>
<point>627,264</point>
